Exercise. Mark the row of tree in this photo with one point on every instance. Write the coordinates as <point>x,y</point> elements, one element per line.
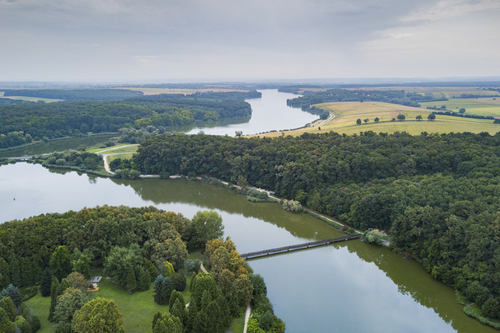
<point>344,95</point>
<point>436,194</point>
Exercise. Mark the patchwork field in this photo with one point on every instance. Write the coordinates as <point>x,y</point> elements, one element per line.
<point>346,114</point>
<point>479,106</point>
<point>439,92</point>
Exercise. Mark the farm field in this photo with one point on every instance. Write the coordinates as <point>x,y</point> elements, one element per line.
<point>30,99</point>
<point>348,112</point>
<point>439,92</point>
<point>478,106</point>
<point>157,91</point>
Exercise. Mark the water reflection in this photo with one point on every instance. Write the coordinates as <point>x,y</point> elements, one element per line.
<point>345,287</point>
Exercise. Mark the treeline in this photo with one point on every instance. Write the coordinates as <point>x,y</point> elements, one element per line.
<point>436,194</point>
<point>456,114</point>
<point>55,120</point>
<point>76,94</point>
<point>341,95</point>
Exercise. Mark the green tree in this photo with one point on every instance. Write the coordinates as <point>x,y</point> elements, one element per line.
<point>15,271</point>
<point>53,295</point>
<point>121,260</point>
<point>178,309</point>
<point>144,281</point>
<point>9,307</point>
<point>491,309</point>
<point>6,325</point>
<point>98,315</point>
<point>131,281</point>
<point>366,120</point>
<point>81,261</point>
<point>27,272</point>
<point>376,120</point>
<point>174,296</point>
<point>46,282</point>
<point>78,281</point>
<point>462,110</point>
<point>60,262</point>
<point>68,303</point>
<point>170,250</point>
<point>401,116</point>
<point>419,117</point>
<point>207,225</point>
<point>167,269</point>
<point>12,292</point>
<point>266,321</point>
<point>358,121</point>
<point>4,274</point>
<point>431,117</point>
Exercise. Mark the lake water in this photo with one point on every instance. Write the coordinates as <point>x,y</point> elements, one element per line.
<point>344,287</point>
<point>268,113</point>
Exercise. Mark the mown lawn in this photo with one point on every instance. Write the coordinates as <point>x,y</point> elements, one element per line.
<point>138,308</point>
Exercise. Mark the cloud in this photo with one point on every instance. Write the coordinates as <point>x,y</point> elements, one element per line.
<point>223,38</point>
<point>451,8</point>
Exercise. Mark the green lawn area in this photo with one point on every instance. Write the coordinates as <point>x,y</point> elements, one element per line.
<point>478,106</point>
<point>118,148</point>
<point>138,308</point>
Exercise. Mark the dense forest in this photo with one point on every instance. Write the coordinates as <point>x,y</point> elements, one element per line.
<point>76,94</point>
<point>342,95</point>
<point>438,195</point>
<point>23,123</point>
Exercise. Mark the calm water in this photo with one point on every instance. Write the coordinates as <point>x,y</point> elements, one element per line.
<point>268,113</point>
<point>347,287</point>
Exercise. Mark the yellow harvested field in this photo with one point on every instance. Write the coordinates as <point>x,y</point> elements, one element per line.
<point>346,114</point>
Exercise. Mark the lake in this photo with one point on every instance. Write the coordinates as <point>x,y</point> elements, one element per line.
<point>343,287</point>
<point>268,113</point>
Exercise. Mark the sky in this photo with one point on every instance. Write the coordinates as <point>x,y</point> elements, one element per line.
<point>164,40</point>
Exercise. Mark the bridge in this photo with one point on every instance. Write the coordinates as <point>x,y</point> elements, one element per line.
<point>290,248</point>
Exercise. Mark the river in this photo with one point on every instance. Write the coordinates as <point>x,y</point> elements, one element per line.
<point>268,113</point>
<point>344,287</point>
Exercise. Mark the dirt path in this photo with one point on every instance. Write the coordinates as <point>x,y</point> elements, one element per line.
<point>247,316</point>
<point>106,163</point>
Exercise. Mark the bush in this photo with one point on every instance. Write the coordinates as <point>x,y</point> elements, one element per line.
<point>371,238</point>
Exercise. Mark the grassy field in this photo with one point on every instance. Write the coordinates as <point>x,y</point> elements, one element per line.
<point>118,148</point>
<point>138,308</point>
<point>30,99</point>
<point>478,106</point>
<point>440,92</point>
<point>348,112</point>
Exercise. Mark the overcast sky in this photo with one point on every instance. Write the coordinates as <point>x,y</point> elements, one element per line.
<point>121,40</point>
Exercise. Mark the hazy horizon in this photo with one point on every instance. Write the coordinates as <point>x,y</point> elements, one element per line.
<point>194,41</point>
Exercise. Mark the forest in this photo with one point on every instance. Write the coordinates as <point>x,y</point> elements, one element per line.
<point>21,124</point>
<point>136,246</point>
<point>437,194</point>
